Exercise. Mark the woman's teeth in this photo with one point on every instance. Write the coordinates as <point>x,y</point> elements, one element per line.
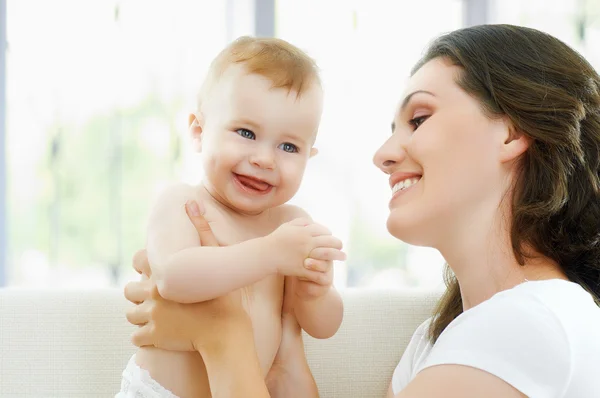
<point>405,184</point>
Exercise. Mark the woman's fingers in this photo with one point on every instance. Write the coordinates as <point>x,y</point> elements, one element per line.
<point>142,336</point>
<point>195,213</point>
<point>137,291</point>
<point>137,315</point>
<point>140,262</point>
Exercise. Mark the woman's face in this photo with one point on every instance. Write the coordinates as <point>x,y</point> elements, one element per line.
<point>443,159</point>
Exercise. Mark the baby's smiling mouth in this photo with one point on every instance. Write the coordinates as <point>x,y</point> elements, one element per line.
<point>253,183</point>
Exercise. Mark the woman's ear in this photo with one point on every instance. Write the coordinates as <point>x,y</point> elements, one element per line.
<point>514,145</point>
<point>195,126</point>
<point>313,152</point>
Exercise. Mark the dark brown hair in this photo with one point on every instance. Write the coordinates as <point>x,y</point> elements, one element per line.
<point>551,94</point>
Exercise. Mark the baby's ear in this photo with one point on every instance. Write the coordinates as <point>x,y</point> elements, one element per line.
<point>195,126</point>
<point>313,152</point>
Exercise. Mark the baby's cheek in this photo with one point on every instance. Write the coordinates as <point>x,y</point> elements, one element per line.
<point>292,172</point>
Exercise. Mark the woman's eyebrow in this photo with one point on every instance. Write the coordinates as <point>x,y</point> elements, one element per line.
<point>407,99</point>
<point>409,96</point>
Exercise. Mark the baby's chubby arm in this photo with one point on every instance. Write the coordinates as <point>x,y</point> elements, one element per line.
<point>318,306</point>
<point>319,315</point>
<point>187,272</point>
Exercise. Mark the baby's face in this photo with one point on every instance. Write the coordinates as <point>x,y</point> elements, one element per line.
<point>256,140</point>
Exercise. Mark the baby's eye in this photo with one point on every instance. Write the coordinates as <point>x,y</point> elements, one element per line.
<point>417,121</point>
<point>286,146</point>
<point>246,133</point>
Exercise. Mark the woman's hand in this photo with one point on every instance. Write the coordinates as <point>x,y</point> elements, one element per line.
<point>183,327</point>
<point>290,376</point>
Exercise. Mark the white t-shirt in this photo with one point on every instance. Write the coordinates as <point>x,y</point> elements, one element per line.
<point>541,337</point>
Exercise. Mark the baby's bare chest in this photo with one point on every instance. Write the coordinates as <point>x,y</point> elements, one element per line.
<point>265,295</point>
<point>263,299</point>
<point>230,230</point>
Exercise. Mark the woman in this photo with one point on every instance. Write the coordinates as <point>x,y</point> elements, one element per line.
<point>494,160</point>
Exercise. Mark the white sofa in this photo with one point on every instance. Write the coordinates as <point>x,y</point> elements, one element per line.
<point>61,343</point>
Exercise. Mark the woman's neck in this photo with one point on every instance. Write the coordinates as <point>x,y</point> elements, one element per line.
<point>484,263</point>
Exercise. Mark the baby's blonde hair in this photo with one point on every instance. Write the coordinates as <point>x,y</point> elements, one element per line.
<point>284,64</point>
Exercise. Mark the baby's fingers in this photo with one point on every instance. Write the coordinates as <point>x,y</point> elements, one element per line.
<point>327,241</point>
<point>327,254</point>
<point>318,230</point>
<point>302,221</point>
<point>317,265</point>
<point>320,278</point>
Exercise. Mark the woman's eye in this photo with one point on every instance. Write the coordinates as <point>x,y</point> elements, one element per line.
<point>286,146</point>
<point>246,133</point>
<point>416,122</point>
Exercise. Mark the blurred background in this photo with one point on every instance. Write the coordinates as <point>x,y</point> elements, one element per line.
<point>94,97</point>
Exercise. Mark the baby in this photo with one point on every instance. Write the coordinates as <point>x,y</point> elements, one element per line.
<point>257,119</point>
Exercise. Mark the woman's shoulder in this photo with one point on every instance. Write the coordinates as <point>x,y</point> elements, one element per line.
<point>570,307</point>
<point>556,308</point>
<point>567,302</point>
<point>550,289</point>
<point>532,333</point>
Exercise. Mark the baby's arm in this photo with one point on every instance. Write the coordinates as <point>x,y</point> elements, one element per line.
<point>318,305</point>
<point>321,316</point>
<point>188,273</point>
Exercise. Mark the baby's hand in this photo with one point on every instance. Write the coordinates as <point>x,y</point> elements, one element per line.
<point>301,247</point>
<point>308,289</point>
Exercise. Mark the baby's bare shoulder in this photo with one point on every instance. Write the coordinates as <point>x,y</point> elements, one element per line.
<point>177,194</point>
<point>289,212</point>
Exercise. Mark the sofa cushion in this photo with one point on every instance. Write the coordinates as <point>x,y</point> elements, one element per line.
<point>66,343</point>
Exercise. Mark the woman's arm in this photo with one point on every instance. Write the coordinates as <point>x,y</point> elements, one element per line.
<point>219,329</point>
<point>390,392</point>
<point>232,365</point>
<point>231,376</point>
<point>457,381</point>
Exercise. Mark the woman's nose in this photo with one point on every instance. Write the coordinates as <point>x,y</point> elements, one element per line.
<point>391,153</point>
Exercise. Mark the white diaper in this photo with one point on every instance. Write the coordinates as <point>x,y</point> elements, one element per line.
<point>137,383</point>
